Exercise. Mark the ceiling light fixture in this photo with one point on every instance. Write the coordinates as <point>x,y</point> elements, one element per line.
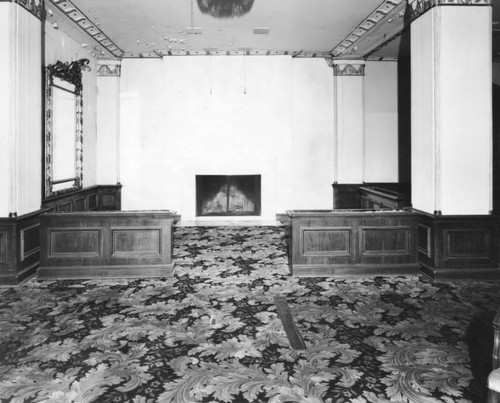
<point>225,8</point>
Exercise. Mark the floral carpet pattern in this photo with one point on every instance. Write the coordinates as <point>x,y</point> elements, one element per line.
<point>212,333</point>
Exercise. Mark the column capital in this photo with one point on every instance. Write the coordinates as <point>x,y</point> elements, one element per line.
<point>348,67</point>
<point>419,7</point>
<point>109,68</point>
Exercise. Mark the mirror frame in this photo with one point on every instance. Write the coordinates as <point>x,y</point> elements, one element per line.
<point>72,73</point>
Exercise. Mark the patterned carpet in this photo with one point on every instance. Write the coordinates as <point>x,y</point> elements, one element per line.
<point>212,333</point>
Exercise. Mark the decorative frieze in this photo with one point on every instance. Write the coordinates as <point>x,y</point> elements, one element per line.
<point>35,7</point>
<point>109,70</point>
<point>349,69</point>
<point>419,7</point>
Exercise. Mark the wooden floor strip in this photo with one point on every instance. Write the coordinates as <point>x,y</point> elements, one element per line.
<point>286,317</point>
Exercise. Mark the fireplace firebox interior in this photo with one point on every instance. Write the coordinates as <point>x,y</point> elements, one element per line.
<point>228,195</point>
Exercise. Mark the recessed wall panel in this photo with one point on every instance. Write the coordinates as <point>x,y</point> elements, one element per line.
<point>30,241</point>
<point>385,240</point>
<point>463,244</point>
<point>75,243</point>
<point>133,242</point>
<point>326,241</point>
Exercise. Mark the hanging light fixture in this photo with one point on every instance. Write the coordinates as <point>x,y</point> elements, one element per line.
<point>225,8</point>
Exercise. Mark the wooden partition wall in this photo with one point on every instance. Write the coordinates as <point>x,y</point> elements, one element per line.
<point>118,244</point>
<point>350,243</point>
<point>20,236</point>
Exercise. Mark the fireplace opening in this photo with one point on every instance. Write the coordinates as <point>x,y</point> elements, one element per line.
<point>227,195</point>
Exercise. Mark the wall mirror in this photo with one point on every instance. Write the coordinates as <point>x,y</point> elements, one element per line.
<point>63,139</point>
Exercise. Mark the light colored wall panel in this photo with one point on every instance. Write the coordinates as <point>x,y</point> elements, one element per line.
<point>28,111</point>
<point>21,108</point>
<point>6,10</point>
<point>465,109</point>
<point>381,122</point>
<point>350,126</point>
<point>423,164</point>
<point>107,129</point>
<point>312,134</point>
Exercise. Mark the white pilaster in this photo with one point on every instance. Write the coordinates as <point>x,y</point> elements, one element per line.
<point>108,122</point>
<point>349,121</point>
<point>451,107</point>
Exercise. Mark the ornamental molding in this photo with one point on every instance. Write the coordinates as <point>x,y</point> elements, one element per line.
<point>108,70</point>
<point>420,7</point>
<point>68,71</point>
<point>34,7</point>
<point>84,23</point>
<point>368,34</point>
<point>352,69</point>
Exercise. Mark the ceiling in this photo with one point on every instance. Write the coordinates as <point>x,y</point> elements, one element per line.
<point>369,29</point>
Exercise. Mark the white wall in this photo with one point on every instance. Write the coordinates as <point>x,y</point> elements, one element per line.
<point>183,116</point>
<point>20,110</point>
<point>381,122</point>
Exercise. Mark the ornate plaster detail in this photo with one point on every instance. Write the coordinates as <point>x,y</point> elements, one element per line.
<point>109,70</point>
<point>419,7</point>
<point>215,52</point>
<point>35,7</point>
<point>349,69</point>
<point>81,20</point>
<point>366,31</point>
<point>70,72</point>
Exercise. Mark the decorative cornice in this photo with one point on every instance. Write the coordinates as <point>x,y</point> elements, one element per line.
<point>209,52</point>
<point>35,7</point>
<point>349,69</point>
<point>109,70</point>
<point>349,45</point>
<point>420,7</point>
<point>81,20</point>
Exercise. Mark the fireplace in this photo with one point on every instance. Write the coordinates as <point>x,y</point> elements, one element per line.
<point>227,195</point>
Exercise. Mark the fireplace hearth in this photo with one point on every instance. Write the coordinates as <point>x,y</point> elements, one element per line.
<point>227,195</point>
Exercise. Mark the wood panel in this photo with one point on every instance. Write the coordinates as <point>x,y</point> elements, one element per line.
<point>20,236</point>
<point>459,246</point>
<point>352,243</point>
<point>132,242</point>
<point>380,198</point>
<point>3,247</point>
<point>327,241</point>
<point>385,240</point>
<point>106,244</point>
<point>75,243</point>
<point>19,248</point>
<point>30,241</point>
<point>80,204</point>
<point>348,196</point>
